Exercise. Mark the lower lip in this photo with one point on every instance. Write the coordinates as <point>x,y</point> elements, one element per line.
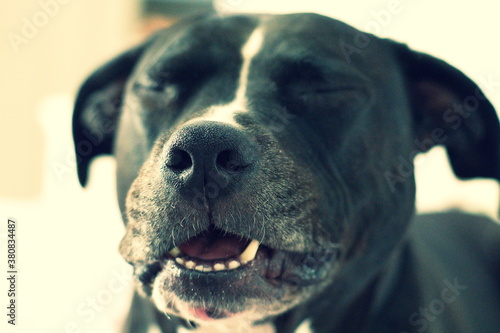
<point>209,315</point>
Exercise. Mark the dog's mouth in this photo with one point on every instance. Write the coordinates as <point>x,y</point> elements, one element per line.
<point>217,274</point>
<point>218,251</point>
<point>215,250</point>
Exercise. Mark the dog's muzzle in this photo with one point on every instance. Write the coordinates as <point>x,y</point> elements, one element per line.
<point>219,261</point>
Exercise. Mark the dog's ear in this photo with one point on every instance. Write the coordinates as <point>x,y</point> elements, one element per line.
<point>449,109</point>
<point>97,109</point>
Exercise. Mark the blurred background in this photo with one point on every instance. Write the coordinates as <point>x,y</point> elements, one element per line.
<point>71,278</point>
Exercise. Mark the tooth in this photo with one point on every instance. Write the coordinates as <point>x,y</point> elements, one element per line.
<point>219,267</point>
<point>250,252</point>
<point>203,268</point>
<point>190,264</point>
<point>180,261</point>
<point>233,264</point>
<point>175,251</point>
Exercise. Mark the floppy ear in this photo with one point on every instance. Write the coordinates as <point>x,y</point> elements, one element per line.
<point>97,109</point>
<point>451,110</point>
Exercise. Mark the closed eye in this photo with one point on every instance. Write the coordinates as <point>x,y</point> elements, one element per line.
<point>343,100</point>
<point>327,90</point>
<point>313,85</point>
<point>326,99</point>
<point>149,85</point>
<point>166,91</point>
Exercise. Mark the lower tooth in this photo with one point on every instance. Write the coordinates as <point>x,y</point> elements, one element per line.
<point>233,264</point>
<point>203,268</point>
<point>190,264</point>
<point>219,267</point>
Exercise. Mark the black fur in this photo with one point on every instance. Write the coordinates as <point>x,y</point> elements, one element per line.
<point>322,159</point>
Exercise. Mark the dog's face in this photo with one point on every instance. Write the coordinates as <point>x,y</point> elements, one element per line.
<point>260,157</point>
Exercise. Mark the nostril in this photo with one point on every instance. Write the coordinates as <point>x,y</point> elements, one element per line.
<point>179,160</point>
<point>231,161</point>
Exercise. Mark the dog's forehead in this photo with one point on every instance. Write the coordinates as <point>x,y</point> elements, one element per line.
<point>246,57</point>
<point>203,38</point>
<point>221,39</point>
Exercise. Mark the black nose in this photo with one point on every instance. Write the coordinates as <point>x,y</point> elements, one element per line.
<point>207,154</point>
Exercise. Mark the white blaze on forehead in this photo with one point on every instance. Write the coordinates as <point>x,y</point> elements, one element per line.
<point>226,113</point>
<point>249,51</point>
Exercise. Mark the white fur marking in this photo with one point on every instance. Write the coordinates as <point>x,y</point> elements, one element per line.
<point>249,51</point>
<point>268,328</point>
<point>154,329</point>
<point>157,297</point>
<point>305,327</point>
<point>225,113</point>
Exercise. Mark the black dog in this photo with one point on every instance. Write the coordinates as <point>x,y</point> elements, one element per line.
<point>265,179</point>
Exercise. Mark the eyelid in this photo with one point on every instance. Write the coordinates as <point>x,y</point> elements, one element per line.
<point>146,81</point>
<point>332,89</point>
<point>363,95</point>
<point>166,91</point>
<point>150,83</point>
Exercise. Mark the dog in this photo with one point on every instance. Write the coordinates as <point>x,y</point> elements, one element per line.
<point>265,178</point>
